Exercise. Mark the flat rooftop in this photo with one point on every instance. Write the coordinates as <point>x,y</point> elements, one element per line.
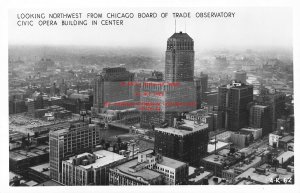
<point>246,182</point>
<point>249,165</point>
<point>219,145</point>
<point>103,158</point>
<point>262,178</point>
<point>40,168</point>
<point>12,175</point>
<point>172,163</point>
<point>191,170</point>
<point>285,156</point>
<point>21,154</point>
<point>200,176</point>
<point>21,122</point>
<point>214,159</point>
<point>145,173</point>
<point>287,138</point>
<point>181,132</point>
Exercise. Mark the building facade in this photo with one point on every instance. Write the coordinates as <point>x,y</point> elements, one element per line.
<point>233,101</point>
<point>187,143</point>
<point>260,118</point>
<point>111,86</point>
<point>66,142</point>
<point>89,168</point>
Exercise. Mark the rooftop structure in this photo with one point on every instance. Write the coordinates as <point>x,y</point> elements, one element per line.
<point>102,158</point>
<point>285,156</point>
<point>216,145</point>
<point>260,177</point>
<point>190,125</point>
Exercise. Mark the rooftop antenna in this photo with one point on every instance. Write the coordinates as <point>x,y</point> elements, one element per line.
<point>175,25</point>
<point>184,26</point>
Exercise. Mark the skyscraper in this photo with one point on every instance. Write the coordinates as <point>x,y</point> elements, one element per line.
<point>233,101</point>
<point>111,86</point>
<point>65,142</point>
<point>175,98</point>
<point>276,101</point>
<point>179,65</point>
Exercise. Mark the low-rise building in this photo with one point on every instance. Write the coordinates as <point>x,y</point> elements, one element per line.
<point>197,176</point>
<point>285,158</point>
<point>258,175</point>
<point>89,168</point>
<point>149,168</point>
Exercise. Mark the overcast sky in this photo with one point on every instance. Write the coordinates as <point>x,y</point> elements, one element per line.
<point>251,27</point>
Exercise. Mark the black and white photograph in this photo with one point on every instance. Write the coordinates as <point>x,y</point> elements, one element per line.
<point>160,96</point>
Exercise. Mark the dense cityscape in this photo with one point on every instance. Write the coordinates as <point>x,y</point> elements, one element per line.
<point>118,116</point>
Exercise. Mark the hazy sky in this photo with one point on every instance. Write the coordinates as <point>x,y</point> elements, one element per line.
<point>250,27</point>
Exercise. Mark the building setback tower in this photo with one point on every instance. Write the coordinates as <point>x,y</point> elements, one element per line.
<point>179,65</point>
<point>179,92</point>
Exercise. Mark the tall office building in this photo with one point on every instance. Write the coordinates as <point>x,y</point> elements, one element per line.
<point>65,142</point>
<point>187,143</point>
<point>178,92</point>
<point>233,101</point>
<point>201,84</point>
<point>179,64</point>
<point>111,86</point>
<point>276,101</point>
<point>204,82</point>
<point>260,118</point>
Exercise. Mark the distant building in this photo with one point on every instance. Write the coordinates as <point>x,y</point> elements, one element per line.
<point>89,168</point>
<point>187,143</point>
<point>43,65</point>
<point>240,76</point>
<point>17,106</point>
<point>36,103</point>
<point>241,138</point>
<point>233,101</point>
<point>260,118</point>
<point>66,142</point>
<point>210,98</point>
<point>276,101</point>
<point>256,132</point>
<point>274,139</point>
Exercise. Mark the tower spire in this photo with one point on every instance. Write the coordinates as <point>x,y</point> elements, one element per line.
<point>175,25</point>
